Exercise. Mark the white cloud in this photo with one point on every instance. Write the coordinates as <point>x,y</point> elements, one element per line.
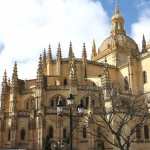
<point>27,26</point>
<point>142,26</point>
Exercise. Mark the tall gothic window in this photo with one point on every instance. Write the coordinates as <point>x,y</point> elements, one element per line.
<point>144,76</point>
<point>51,132</point>
<point>138,133</point>
<point>22,134</point>
<point>9,134</point>
<point>146,132</point>
<point>84,132</point>
<point>126,83</point>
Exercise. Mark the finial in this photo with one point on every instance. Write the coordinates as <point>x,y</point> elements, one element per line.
<point>59,45</point>
<point>70,44</point>
<point>143,44</point>
<point>44,52</point>
<point>15,69</point>
<point>94,53</point>
<point>40,67</point>
<point>15,75</point>
<point>44,55</point>
<point>49,53</point>
<point>59,52</point>
<point>84,54</point>
<point>5,76</point>
<point>71,54</point>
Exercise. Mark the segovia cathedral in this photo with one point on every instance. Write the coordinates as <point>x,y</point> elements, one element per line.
<point>29,112</point>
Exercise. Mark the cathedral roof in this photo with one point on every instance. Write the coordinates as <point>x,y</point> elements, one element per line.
<point>119,41</point>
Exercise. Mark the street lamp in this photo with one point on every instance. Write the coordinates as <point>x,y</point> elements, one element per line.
<point>57,145</point>
<point>70,103</point>
<point>80,108</point>
<point>70,100</point>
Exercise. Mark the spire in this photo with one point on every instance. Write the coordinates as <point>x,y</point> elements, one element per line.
<point>117,20</point>
<point>4,83</point>
<point>44,62</point>
<point>15,76</point>
<point>49,54</point>
<point>84,54</point>
<point>40,73</point>
<point>94,53</point>
<point>5,77</point>
<point>44,56</point>
<point>40,68</point>
<point>71,54</point>
<point>84,60</point>
<point>59,52</point>
<point>144,45</point>
<point>4,91</point>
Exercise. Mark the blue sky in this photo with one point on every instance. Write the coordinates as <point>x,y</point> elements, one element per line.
<point>29,26</point>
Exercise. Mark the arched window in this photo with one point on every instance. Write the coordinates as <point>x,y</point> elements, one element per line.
<point>22,134</point>
<point>126,84</point>
<point>64,133</point>
<point>144,76</point>
<point>138,133</point>
<point>84,132</point>
<point>146,132</point>
<point>51,132</point>
<point>9,134</point>
<point>65,82</point>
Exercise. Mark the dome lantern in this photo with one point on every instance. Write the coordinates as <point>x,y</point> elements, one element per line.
<point>117,21</point>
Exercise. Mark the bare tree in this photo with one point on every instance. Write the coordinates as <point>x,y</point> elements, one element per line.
<point>119,119</point>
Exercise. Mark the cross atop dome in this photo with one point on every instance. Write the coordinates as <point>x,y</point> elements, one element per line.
<point>117,8</point>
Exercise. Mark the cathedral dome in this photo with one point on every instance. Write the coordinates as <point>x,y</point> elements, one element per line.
<point>120,41</point>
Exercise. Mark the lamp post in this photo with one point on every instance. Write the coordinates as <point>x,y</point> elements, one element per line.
<point>70,103</point>
<point>57,145</point>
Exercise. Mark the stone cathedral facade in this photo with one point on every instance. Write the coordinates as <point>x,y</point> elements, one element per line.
<point>29,107</point>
